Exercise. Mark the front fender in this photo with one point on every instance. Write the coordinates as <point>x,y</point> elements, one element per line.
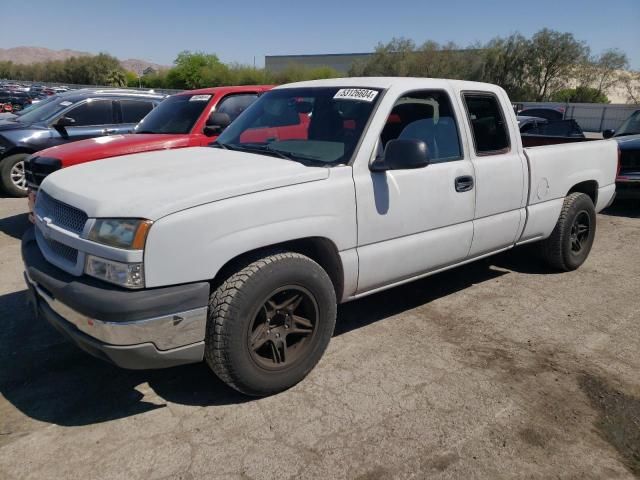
<point>193,244</point>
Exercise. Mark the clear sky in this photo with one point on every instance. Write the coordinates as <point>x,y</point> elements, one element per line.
<point>238,31</point>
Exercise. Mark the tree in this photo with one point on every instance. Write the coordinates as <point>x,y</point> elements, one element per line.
<point>604,71</point>
<point>631,82</point>
<point>133,80</point>
<point>401,57</point>
<point>196,70</point>
<point>505,64</point>
<point>551,60</point>
<point>580,95</point>
<point>116,78</point>
<point>391,59</point>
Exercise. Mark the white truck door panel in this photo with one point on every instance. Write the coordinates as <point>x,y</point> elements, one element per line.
<point>500,174</point>
<point>412,221</point>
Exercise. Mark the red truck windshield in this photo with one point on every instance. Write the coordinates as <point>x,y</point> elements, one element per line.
<point>176,114</point>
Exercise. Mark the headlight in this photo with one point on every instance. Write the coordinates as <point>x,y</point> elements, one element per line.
<point>130,275</point>
<point>129,233</point>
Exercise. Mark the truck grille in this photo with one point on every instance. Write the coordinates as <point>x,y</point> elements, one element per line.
<point>63,251</point>
<point>60,213</point>
<point>59,254</point>
<point>36,170</point>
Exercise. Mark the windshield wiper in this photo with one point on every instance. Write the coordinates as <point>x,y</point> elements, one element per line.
<point>145,131</point>
<point>219,145</point>
<point>264,149</point>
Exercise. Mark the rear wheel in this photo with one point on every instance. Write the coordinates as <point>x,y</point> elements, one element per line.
<point>269,323</point>
<point>572,238</point>
<point>12,175</point>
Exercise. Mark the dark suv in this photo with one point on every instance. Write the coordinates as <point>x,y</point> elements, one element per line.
<point>69,117</point>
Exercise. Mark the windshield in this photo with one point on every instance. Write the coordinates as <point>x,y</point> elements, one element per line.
<point>33,106</point>
<point>45,110</point>
<point>176,114</point>
<point>631,125</point>
<point>317,124</point>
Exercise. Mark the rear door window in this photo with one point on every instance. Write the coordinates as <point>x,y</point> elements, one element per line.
<point>92,112</point>
<point>134,110</point>
<point>490,133</point>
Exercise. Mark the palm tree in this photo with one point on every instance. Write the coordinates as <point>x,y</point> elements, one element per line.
<point>116,78</point>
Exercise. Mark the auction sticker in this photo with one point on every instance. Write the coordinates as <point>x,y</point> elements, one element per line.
<point>199,98</point>
<point>362,94</point>
<point>65,104</point>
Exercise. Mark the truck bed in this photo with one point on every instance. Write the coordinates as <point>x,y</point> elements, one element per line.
<point>555,169</point>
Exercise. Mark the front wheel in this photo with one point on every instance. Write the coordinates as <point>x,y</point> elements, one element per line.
<point>572,238</point>
<point>12,175</point>
<point>269,323</point>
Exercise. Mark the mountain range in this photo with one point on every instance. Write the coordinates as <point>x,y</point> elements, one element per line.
<point>29,55</point>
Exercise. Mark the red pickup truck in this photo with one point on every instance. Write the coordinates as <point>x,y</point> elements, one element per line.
<point>187,119</point>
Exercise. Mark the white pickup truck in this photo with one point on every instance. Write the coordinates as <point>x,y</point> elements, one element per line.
<point>320,193</point>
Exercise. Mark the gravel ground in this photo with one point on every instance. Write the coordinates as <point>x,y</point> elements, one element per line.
<point>499,369</point>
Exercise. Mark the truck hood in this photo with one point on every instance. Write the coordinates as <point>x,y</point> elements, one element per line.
<point>112,146</point>
<point>152,185</point>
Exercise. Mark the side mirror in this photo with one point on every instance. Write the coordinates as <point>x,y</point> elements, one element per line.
<point>216,123</point>
<point>608,133</point>
<point>61,125</point>
<point>65,122</point>
<point>402,154</point>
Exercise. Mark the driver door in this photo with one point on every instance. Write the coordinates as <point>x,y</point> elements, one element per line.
<point>93,118</point>
<point>414,221</point>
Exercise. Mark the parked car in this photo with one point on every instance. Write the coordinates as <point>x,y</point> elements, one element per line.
<point>73,116</point>
<point>628,138</point>
<point>18,100</point>
<point>321,192</point>
<point>526,123</point>
<point>187,119</point>
<point>552,133</point>
<point>548,113</point>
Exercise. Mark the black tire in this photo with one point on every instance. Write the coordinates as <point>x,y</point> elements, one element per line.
<point>8,182</point>
<point>245,299</point>
<point>569,244</point>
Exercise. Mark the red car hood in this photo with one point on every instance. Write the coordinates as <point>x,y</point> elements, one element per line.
<point>113,146</point>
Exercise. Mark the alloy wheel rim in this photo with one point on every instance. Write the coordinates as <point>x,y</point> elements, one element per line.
<point>580,231</point>
<point>18,177</point>
<point>283,327</point>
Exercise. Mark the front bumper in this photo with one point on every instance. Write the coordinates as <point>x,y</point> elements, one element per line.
<point>137,329</point>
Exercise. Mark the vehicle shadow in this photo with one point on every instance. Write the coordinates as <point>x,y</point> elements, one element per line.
<point>624,208</point>
<point>15,226</point>
<point>51,380</point>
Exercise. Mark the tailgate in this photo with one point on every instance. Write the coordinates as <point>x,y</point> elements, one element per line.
<point>555,169</point>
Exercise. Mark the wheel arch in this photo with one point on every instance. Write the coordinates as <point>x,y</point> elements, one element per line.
<point>320,249</point>
<point>588,187</point>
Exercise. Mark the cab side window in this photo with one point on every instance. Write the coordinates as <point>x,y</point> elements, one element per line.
<point>92,112</point>
<point>134,110</point>
<point>426,116</point>
<point>234,105</point>
<point>490,134</point>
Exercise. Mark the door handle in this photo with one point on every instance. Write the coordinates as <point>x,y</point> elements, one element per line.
<point>464,183</point>
<point>109,131</point>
